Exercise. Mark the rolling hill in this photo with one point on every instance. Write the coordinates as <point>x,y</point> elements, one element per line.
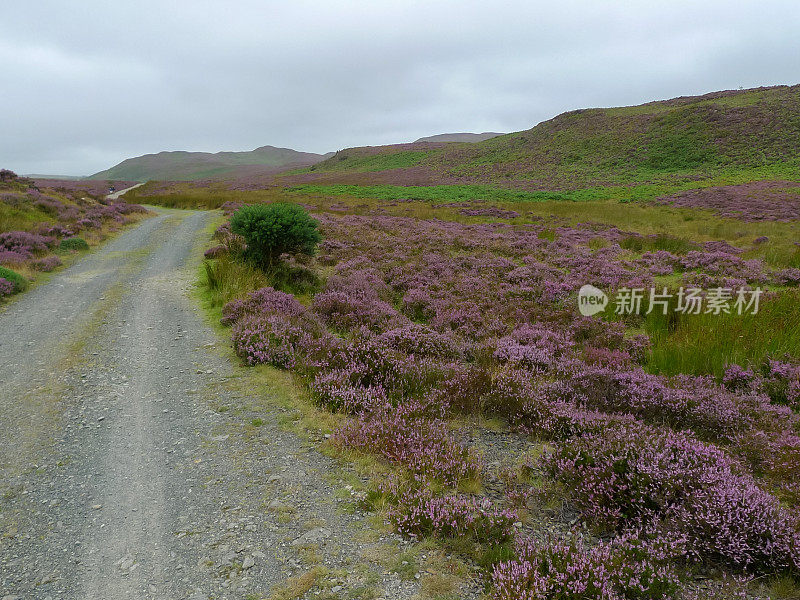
<point>684,138</point>
<point>189,166</point>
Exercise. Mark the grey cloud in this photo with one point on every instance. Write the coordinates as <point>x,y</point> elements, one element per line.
<point>89,83</point>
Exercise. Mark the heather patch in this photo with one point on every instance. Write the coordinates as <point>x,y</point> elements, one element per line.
<point>420,321</point>
<point>40,218</point>
<point>626,568</point>
<point>644,478</point>
<point>758,201</point>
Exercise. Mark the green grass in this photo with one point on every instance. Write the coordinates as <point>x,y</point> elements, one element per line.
<point>21,219</point>
<point>20,283</point>
<point>707,344</point>
<point>226,279</point>
<point>447,193</point>
<point>352,161</point>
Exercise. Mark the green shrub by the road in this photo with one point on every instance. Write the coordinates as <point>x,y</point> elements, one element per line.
<point>274,229</point>
<point>20,283</point>
<point>73,243</point>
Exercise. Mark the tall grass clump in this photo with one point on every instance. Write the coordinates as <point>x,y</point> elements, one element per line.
<point>706,344</point>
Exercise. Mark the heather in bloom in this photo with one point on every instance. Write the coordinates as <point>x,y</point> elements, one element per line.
<point>627,568</point>
<point>6,287</point>
<point>265,301</point>
<point>641,477</point>
<point>24,243</point>
<point>403,435</point>
<point>420,320</point>
<point>420,514</point>
<point>46,264</point>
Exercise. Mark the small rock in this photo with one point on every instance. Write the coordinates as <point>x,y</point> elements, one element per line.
<point>248,563</point>
<point>312,537</point>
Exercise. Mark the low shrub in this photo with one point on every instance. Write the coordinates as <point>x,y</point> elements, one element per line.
<point>626,568</point>
<point>73,243</point>
<point>46,264</point>
<point>18,281</point>
<point>637,476</point>
<point>420,514</point>
<point>274,229</point>
<point>404,435</point>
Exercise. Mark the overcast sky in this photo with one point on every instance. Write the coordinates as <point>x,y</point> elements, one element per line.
<point>86,84</point>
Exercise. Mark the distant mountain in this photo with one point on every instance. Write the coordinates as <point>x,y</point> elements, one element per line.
<point>189,166</point>
<point>459,137</point>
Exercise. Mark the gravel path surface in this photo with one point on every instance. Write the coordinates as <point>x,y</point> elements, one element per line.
<point>136,463</point>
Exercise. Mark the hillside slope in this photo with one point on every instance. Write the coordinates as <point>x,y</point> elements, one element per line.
<point>188,166</point>
<point>459,137</point>
<point>687,137</point>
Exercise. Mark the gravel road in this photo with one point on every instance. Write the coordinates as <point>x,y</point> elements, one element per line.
<point>135,463</point>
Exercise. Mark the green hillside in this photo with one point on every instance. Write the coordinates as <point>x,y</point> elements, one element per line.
<point>680,139</point>
<point>189,166</point>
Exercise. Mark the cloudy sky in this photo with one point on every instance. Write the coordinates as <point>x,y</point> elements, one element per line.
<point>86,84</point>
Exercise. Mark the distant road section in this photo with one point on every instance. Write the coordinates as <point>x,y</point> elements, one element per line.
<point>116,195</point>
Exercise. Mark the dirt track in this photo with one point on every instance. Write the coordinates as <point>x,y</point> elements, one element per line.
<point>129,464</point>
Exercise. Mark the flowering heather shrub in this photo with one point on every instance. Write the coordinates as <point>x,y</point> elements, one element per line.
<point>369,363</point>
<point>781,381</point>
<point>353,308</point>
<point>273,339</point>
<point>757,201</point>
<point>683,401</point>
<point>230,207</point>
<point>55,231</point>
<point>24,243</point>
<point>46,264</point>
<point>6,287</point>
<point>774,456</point>
<point>13,258</point>
<point>334,391</point>
<point>216,251</point>
<point>627,568</point>
<point>727,265</point>
<point>264,301</point>
<point>420,514</point>
<point>787,277</point>
<point>88,224</point>
<point>419,340</point>
<point>642,477</point>
<point>403,435</point>
<point>736,378</point>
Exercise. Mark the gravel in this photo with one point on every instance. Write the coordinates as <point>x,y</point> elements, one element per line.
<point>120,477</point>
